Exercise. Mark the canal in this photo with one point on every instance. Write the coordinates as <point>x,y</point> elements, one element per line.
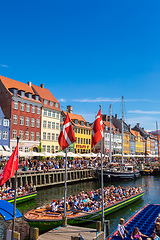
<point>149,184</point>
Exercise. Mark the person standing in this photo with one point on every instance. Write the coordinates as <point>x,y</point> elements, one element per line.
<point>121,229</point>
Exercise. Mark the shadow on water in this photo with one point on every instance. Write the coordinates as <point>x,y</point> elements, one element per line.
<point>149,184</point>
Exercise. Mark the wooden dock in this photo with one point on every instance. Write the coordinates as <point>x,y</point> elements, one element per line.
<point>69,232</point>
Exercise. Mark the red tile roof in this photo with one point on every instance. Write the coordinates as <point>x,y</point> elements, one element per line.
<point>73,116</point>
<point>10,83</point>
<point>44,93</point>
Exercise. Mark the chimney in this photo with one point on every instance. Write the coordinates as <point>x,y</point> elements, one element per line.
<point>115,116</point>
<point>42,85</point>
<point>129,127</point>
<point>143,128</point>
<point>29,84</point>
<point>104,117</point>
<point>138,124</point>
<point>69,109</point>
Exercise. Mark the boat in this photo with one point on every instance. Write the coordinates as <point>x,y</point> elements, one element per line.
<point>46,220</point>
<point>22,198</point>
<point>143,219</point>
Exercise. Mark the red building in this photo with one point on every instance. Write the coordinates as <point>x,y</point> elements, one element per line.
<point>21,104</point>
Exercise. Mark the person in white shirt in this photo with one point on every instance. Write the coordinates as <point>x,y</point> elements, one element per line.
<point>121,228</point>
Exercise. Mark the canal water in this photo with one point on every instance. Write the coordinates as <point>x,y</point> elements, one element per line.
<point>149,184</point>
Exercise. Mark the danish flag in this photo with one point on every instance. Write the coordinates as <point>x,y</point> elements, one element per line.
<point>66,136</point>
<point>97,130</point>
<point>10,167</point>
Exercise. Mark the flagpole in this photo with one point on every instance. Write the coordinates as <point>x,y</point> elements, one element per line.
<point>15,186</point>
<point>102,188</point>
<point>65,185</point>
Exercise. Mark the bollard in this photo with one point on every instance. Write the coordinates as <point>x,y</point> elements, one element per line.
<point>64,221</point>
<point>98,226</point>
<point>33,233</point>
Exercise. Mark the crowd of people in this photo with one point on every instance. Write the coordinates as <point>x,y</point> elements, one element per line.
<point>90,201</point>
<point>8,192</point>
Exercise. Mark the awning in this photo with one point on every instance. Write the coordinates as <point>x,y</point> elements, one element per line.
<point>6,210</point>
<point>1,148</point>
<point>6,148</point>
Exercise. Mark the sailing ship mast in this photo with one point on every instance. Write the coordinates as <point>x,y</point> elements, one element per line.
<point>110,142</point>
<point>122,129</point>
<point>157,140</point>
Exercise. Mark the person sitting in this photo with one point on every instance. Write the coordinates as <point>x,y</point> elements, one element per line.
<point>121,229</point>
<point>136,234</point>
<point>157,228</point>
<point>154,236</point>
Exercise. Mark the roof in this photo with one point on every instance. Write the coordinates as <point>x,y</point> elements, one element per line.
<point>135,133</point>
<point>10,83</point>
<point>44,93</point>
<point>73,116</point>
<point>108,125</point>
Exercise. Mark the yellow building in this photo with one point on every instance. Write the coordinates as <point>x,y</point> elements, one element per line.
<point>82,130</point>
<point>50,120</point>
<point>126,142</point>
<point>138,142</point>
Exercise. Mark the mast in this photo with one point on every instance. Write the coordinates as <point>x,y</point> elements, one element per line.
<point>157,138</point>
<point>110,141</point>
<point>122,129</point>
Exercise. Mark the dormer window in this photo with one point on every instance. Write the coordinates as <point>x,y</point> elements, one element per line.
<point>51,103</point>
<point>30,95</point>
<point>56,105</point>
<point>45,102</point>
<point>15,92</point>
<point>22,94</point>
<point>87,124</point>
<point>76,121</point>
<point>37,98</point>
<point>82,123</point>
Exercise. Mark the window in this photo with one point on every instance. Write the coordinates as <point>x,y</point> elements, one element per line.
<point>20,149</point>
<point>75,130</point>
<point>45,112</point>
<point>5,135</point>
<point>26,135</point>
<point>78,130</point>
<point>84,140</point>
<point>57,137</point>
<point>26,149</point>
<point>14,119</point>
<point>27,121</point>
<point>44,124</point>
<point>53,137</point>
<point>28,108</point>
<point>38,123</point>
<point>21,134</point>
<point>81,131</point>
<point>33,109</point>
<point>53,125</point>
<point>32,136</point>
<point>32,122</point>
<point>87,124</point>
<point>45,102</point>
<point>89,141</point>
<point>22,106</point>
<point>53,114</point>
<point>82,123</point>
<point>76,121</point>
<point>48,136</point>
<point>37,98</point>
<point>21,120</point>
<point>0,134</point>
<point>15,105</point>
<point>84,131</point>
<point>49,113</point>
<point>56,148</point>
<point>0,121</point>
<point>30,95</point>
<point>14,134</point>
<point>57,126</point>
<point>6,123</point>
<point>38,110</point>
<point>51,103</point>
<point>13,148</point>
<point>37,136</point>
<point>78,140</point>
<point>48,149</point>
<point>49,124</point>
<point>56,105</point>
<point>89,132</point>
<point>22,94</point>
<point>52,149</point>
<point>44,148</point>
<point>57,115</point>
<point>44,135</point>
<point>81,140</point>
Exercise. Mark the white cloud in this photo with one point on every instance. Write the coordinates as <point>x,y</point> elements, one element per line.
<point>144,112</point>
<point>111,100</point>
<point>62,100</point>
<point>4,66</point>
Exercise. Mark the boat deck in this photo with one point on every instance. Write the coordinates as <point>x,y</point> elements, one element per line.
<point>144,220</point>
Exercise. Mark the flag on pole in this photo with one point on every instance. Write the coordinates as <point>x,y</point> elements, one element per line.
<point>66,136</point>
<point>11,166</point>
<point>97,130</point>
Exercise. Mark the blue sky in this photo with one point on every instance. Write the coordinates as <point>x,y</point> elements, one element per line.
<point>87,53</point>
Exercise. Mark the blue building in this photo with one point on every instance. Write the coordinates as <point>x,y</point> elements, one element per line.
<point>132,143</point>
<point>4,132</point>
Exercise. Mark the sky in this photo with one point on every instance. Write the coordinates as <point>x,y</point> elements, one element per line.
<point>88,53</point>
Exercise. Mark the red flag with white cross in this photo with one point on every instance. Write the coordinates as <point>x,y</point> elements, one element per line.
<point>97,130</point>
<point>66,137</point>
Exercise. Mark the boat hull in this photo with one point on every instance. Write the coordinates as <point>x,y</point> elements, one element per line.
<point>49,224</point>
<point>119,175</point>
<point>23,198</point>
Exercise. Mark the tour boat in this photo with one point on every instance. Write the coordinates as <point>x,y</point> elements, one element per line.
<point>22,198</point>
<point>45,220</point>
<point>143,219</point>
